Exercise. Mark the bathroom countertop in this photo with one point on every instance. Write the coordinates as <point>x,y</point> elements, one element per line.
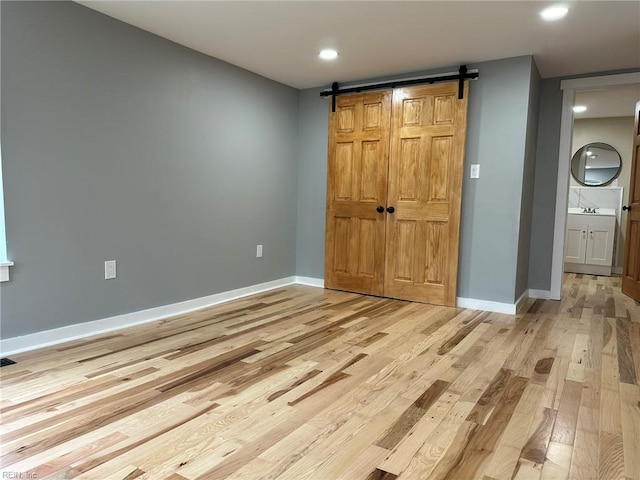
<point>599,211</point>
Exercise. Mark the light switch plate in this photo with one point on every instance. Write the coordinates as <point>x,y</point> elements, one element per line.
<point>258,251</point>
<point>475,171</point>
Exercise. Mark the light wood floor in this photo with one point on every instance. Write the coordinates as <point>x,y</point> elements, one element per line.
<point>304,383</point>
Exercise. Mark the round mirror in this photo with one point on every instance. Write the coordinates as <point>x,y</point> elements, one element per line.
<point>596,164</point>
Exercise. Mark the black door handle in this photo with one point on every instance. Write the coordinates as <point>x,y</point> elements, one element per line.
<point>625,208</point>
<point>390,209</point>
<point>380,209</point>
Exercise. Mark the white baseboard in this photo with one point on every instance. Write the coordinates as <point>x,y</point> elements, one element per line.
<point>498,307</point>
<point>523,298</point>
<point>504,307</point>
<point>617,270</point>
<point>310,281</point>
<point>9,346</point>
<point>4,270</point>
<point>540,294</point>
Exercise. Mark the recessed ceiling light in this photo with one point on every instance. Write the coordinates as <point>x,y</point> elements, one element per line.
<point>554,13</point>
<point>328,54</point>
<point>579,108</point>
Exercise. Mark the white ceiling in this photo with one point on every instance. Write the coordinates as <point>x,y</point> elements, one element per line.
<point>281,39</point>
<point>610,102</point>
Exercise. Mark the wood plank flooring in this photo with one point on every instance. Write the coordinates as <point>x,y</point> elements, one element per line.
<point>304,383</point>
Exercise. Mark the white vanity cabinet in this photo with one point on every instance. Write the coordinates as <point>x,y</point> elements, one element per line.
<point>589,244</point>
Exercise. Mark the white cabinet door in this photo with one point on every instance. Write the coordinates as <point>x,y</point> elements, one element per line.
<point>600,241</point>
<point>576,240</point>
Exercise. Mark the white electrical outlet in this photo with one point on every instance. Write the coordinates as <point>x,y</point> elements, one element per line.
<point>475,171</point>
<point>258,251</point>
<point>109,269</point>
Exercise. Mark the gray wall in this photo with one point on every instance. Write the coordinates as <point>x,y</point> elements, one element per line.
<point>496,135</point>
<point>546,178</point>
<point>312,177</point>
<point>120,145</point>
<point>528,174</point>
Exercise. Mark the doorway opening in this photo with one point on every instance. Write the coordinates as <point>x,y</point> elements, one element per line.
<point>571,88</point>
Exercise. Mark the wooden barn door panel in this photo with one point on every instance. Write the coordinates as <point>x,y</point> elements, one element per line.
<point>356,186</point>
<point>425,185</point>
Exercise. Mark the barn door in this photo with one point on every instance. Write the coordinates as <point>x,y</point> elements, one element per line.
<point>631,264</point>
<point>425,184</point>
<point>356,191</point>
<point>394,193</point>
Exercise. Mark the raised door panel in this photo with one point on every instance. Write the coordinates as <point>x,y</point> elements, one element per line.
<point>634,196</point>
<point>356,186</point>
<point>341,243</point>
<point>441,148</point>
<point>425,183</point>
<point>632,263</point>
<point>344,166</point>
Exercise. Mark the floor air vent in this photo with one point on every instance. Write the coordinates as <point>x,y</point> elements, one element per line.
<point>6,361</point>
